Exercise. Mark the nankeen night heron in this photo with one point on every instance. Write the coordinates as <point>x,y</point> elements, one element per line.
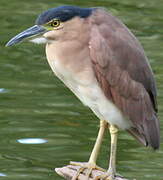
<point>104,65</point>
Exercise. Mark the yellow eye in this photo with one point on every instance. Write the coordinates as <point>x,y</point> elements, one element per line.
<point>55,23</point>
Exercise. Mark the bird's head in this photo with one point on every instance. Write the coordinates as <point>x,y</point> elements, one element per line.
<point>53,24</point>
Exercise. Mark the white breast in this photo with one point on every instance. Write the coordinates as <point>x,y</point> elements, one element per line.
<point>91,95</point>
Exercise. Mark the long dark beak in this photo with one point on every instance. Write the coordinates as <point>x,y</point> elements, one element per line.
<point>30,32</point>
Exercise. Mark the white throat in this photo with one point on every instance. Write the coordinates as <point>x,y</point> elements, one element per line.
<point>39,40</point>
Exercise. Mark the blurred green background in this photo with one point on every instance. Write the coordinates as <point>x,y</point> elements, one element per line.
<point>35,104</point>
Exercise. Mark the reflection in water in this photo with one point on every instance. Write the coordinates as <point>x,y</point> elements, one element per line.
<point>33,103</point>
<point>2,90</point>
<point>2,174</point>
<point>32,141</point>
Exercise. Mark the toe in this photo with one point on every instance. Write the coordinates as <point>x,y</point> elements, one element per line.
<point>86,169</point>
<point>104,176</point>
<point>78,173</point>
<point>89,173</point>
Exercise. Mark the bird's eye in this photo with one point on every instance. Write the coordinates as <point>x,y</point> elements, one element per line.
<point>55,23</point>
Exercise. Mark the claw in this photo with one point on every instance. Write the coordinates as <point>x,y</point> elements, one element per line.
<point>83,167</point>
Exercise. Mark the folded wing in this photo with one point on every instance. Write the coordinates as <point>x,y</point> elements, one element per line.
<point>124,74</point>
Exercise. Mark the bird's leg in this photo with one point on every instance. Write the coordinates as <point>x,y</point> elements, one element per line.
<point>112,164</point>
<point>111,172</point>
<point>96,149</point>
<point>92,160</point>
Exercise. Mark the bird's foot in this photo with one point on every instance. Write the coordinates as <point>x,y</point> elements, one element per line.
<point>109,175</point>
<point>85,166</point>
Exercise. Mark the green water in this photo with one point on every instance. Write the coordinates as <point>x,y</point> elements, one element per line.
<point>35,104</point>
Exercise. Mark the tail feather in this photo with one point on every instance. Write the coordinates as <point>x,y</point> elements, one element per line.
<point>153,132</point>
<point>134,132</point>
<point>149,135</point>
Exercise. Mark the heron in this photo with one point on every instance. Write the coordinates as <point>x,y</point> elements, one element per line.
<point>100,60</point>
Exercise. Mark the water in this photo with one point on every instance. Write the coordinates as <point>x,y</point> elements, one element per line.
<point>35,104</point>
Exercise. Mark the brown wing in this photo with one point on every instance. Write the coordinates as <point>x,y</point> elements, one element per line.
<point>124,75</point>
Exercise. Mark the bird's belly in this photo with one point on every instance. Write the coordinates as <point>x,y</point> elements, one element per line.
<point>92,96</point>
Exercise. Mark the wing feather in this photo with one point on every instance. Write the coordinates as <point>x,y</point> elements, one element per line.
<point>124,74</point>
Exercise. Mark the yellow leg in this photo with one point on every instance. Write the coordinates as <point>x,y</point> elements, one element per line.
<point>111,172</point>
<point>96,149</point>
<point>93,158</point>
<point>112,164</point>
